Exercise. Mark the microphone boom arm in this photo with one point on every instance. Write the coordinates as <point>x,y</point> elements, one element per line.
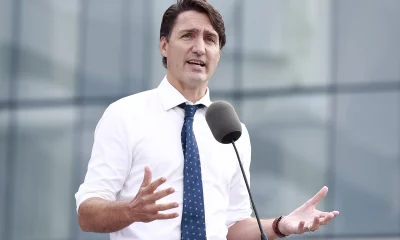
<point>263,236</point>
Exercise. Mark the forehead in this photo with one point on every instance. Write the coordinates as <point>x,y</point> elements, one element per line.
<point>193,20</point>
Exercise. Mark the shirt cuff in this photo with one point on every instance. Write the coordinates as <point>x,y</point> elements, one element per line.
<point>80,198</point>
<point>237,216</point>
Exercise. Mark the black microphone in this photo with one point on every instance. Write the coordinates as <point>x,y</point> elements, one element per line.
<point>226,128</point>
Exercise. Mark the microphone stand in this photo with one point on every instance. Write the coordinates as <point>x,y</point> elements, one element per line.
<point>263,236</point>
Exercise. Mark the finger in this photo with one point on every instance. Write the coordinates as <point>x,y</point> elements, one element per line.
<point>147,176</point>
<point>307,228</point>
<point>300,228</point>
<point>315,225</point>
<point>160,194</point>
<point>165,206</point>
<point>318,197</point>
<point>154,185</point>
<point>327,218</point>
<point>324,214</point>
<point>161,216</point>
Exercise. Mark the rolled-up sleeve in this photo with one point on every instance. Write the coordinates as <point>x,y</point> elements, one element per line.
<point>239,201</point>
<point>110,160</point>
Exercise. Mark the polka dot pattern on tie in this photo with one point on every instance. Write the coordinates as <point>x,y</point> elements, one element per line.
<point>193,217</point>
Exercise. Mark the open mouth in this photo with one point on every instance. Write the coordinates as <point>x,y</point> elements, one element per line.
<point>196,63</point>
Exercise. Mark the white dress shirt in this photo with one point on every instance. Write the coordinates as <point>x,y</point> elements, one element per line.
<point>145,129</point>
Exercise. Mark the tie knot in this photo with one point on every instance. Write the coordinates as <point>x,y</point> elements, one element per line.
<point>190,110</point>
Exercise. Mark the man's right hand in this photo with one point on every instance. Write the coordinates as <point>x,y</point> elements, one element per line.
<point>143,208</point>
<point>103,216</point>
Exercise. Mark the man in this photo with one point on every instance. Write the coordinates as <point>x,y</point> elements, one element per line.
<point>161,134</point>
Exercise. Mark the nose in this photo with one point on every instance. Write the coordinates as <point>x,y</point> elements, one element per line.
<point>199,47</point>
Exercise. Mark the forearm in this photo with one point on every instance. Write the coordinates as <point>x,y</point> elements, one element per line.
<point>248,229</point>
<point>102,216</point>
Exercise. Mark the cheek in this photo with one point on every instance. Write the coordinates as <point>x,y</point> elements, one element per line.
<point>177,65</point>
<point>178,57</point>
<point>213,61</point>
<point>175,60</point>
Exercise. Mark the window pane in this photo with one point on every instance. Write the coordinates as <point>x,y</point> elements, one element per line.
<point>286,43</point>
<point>103,52</point>
<point>48,49</point>
<point>289,151</point>
<point>138,49</point>
<point>5,47</point>
<point>368,43</point>
<point>367,168</point>
<point>4,115</point>
<point>43,174</point>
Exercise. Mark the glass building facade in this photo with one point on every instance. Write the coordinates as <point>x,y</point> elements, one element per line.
<point>317,83</point>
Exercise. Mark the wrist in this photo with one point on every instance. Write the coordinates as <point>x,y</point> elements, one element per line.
<point>277,227</point>
<point>123,208</point>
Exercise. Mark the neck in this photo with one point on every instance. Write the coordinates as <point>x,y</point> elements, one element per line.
<point>191,93</point>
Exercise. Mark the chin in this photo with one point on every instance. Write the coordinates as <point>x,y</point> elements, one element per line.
<point>196,79</point>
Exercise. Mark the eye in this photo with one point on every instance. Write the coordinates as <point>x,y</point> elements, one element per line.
<point>187,35</point>
<point>211,39</point>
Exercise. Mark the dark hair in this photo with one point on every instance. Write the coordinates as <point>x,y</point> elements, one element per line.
<point>202,6</point>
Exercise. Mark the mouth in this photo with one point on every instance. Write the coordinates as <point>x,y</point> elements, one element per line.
<point>196,63</point>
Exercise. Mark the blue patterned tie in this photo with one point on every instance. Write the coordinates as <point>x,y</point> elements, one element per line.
<point>193,225</point>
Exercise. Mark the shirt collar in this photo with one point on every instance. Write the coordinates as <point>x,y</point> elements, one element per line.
<point>171,97</point>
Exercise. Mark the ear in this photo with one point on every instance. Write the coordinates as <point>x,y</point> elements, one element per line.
<point>163,46</point>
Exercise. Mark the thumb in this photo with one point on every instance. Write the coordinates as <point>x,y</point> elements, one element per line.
<point>318,197</point>
<point>147,176</point>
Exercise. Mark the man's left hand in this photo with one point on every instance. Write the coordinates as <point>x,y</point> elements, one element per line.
<point>307,218</point>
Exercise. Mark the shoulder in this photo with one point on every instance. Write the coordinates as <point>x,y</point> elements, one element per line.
<point>244,139</point>
<point>245,132</point>
<point>135,103</point>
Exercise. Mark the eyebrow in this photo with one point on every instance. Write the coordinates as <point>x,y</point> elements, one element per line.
<point>195,30</point>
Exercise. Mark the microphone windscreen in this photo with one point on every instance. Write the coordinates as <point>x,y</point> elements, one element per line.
<point>223,121</point>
